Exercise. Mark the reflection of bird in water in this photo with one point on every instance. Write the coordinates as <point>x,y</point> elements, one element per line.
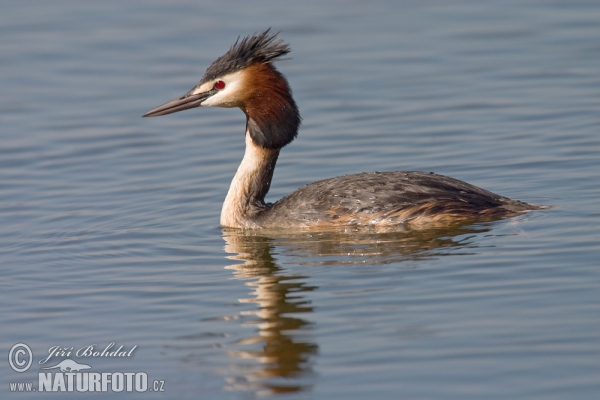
<point>245,77</point>
<point>283,356</point>
<point>374,246</point>
<point>283,349</point>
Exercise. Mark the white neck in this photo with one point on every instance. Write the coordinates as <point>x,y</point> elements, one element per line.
<point>249,187</point>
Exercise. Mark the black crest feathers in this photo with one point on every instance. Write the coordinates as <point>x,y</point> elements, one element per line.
<point>260,47</point>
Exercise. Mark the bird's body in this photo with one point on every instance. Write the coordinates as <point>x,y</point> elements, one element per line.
<point>244,77</point>
<point>388,198</point>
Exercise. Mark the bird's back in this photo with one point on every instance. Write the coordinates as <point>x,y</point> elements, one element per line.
<point>388,198</point>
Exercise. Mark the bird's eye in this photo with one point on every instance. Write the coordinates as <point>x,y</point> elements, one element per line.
<point>219,85</point>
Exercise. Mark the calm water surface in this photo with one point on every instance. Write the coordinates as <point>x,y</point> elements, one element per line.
<point>109,222</point>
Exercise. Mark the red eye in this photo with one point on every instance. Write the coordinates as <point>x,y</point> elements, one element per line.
<point>219,85</point>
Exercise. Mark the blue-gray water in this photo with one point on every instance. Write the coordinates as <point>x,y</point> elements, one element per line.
<point>109,222</point>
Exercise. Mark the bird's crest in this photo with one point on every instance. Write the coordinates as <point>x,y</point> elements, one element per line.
<point>258,48</point>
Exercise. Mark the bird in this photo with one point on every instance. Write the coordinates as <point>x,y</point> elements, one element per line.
<point>245,77</point>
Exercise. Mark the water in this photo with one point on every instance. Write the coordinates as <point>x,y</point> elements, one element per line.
<point>109,222</point>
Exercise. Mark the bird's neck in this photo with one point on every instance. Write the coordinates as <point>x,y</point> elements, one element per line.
<point>250,185</point>
<point>273,117</point>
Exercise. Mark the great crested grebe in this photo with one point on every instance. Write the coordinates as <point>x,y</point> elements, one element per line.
<point>245,77</point>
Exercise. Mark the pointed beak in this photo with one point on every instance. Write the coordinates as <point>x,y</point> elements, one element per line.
<point>183,103</point>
